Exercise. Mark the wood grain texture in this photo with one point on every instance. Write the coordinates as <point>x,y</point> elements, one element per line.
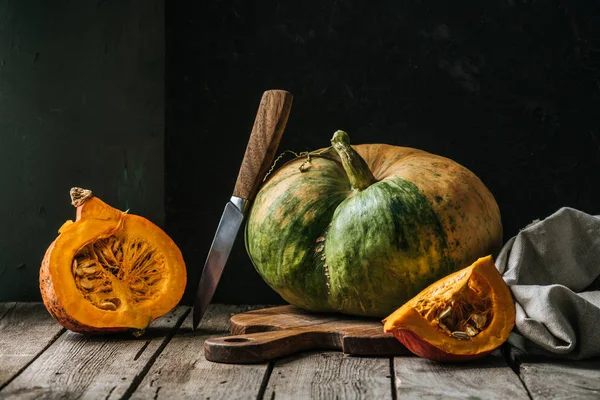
<point>26,329</point>
<point>5,308</point>
<point>181,371</point>
<point>271,118</point>
<point>330,375</point>
<point>560,379</point>
<point>38,360</point>
<point>274,332</point>
<point>92,367</point>
<point>488,378</point>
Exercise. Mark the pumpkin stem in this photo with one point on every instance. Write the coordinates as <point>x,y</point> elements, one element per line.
<point>356,168</point>
<point>79,196</point>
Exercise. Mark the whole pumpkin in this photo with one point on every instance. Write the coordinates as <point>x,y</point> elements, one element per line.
<point>362,229</point>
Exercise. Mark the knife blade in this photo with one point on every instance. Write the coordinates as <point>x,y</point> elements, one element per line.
<point>271,118</point>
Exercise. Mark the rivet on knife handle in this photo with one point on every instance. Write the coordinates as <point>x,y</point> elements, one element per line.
<point>268,127</point>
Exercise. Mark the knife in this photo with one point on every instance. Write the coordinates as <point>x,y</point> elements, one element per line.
<point>269,124</point>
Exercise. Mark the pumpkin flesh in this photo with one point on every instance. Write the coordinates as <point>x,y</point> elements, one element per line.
<point>110,271</point>
<point>465,315</point>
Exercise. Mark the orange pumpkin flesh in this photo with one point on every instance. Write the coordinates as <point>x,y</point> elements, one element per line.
<point>463,316</point>
<point>110,271</point>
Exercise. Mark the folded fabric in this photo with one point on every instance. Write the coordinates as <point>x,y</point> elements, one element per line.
<point>553,270</point>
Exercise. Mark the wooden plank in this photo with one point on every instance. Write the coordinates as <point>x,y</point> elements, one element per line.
<point>487,378</point>
<point>5,308</point>
<point>181,371</point>
<point>93,367</point>
<point>26,329</point>
<point>561,379</point>
<point>329,375</point>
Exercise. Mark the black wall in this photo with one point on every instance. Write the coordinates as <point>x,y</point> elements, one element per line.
<point>510,89</point>
<point>81,104</point>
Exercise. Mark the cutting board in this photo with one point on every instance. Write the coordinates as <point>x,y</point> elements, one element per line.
<point>263,335</point>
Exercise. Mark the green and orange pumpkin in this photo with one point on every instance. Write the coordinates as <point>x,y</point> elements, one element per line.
<point>362,229</point>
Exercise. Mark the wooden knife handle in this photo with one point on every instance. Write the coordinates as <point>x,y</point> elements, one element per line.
<point>265,346</point>
<point>269,124</point>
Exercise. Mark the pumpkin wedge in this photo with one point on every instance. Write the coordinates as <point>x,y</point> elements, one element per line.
<point>110,271</point>
<point>463,316</point>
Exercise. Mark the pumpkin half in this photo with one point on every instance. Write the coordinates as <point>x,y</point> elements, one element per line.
<point>362,229</point>
<point>463,316</point>
<point>110,271</point>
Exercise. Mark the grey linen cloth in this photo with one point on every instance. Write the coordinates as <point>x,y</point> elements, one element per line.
<point>552,268</point>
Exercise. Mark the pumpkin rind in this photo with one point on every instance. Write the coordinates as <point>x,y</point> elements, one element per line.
<point>423,338</point>
<point>408,244</point>
<point>60,277</point>
<point>326,246</point>
<point>424,349</point>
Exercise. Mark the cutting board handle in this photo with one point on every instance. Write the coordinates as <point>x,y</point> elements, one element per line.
<point>271,118</point>
<point>265,346</point>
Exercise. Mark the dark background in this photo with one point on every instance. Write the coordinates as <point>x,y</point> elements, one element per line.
<point>509,89</point>
<point>81,104</point>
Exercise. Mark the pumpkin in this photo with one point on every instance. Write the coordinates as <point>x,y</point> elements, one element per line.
<point>110,271</point>
<point>463,316</point>
<point>362,229</point>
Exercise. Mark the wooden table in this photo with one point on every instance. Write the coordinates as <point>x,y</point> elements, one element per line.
<point>39,359</point>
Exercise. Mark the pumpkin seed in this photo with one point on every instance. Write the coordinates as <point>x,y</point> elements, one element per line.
<point>85,263</point>
<point>471,331</point>
<point>460,335</point>
<point>107,254</point>
<point>445,313</point>
<point>444,328</point>
<point>107,305</point>
<point>79,270</point>
<point>94,269</point>
<point>479,320</point>
<point>87,283</point>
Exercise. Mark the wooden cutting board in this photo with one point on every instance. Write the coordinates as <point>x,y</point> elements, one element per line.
<point>263,335</point>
